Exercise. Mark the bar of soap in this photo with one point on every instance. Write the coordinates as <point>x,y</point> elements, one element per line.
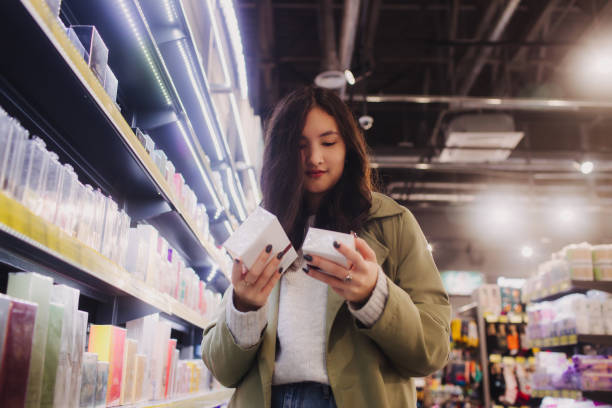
<point>35,288</point>
<point>52,350</point>
<point>101,384</point>
<point>320,242</point>
<point>89,376</point>
<point>15,362</point>
<point>260,229</point>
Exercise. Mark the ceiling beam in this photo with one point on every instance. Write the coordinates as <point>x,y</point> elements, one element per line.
<point>485,52</point>
<point>350,19</point>
<point>327,35</point>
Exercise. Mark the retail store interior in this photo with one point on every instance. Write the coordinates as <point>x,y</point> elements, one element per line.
<point>131,148</point>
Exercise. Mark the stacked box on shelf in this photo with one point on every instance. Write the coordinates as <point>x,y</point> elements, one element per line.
<point>52,354</point>
<point>140,371</point>
<point>167,370</point>
<point>108,342</point>
<point>69,298</point>
<point>129,371</point>
<point>602,262</point>
<point>160,347</point>
<point>18,321</point>
<point>143,331</point>
<point>37,289</point>
<point>89,375</point>
<point>102,378</point>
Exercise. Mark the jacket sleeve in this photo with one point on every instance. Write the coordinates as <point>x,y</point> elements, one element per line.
<point>228,361</point>
<point>413,330</point>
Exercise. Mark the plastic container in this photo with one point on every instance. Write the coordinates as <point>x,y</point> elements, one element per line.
<point>33,174</point>
<point>86,220</point>
<point>52,188</point>
<point>67,206</point>
<point>95,47</point>
<point>9,179</point>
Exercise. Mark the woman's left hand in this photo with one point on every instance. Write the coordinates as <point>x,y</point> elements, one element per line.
<point>355,284</point>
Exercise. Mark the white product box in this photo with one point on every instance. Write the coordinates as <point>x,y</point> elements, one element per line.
<point>320,242</point>
<point>260,229</point>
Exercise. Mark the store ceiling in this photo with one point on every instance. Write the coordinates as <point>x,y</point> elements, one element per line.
<point>435,67</point>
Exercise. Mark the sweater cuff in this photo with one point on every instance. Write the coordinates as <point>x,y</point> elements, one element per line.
<point>246,327</point>
<point>369,314</point>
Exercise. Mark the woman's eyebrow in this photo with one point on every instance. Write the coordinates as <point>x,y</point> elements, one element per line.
<point>329,132</point>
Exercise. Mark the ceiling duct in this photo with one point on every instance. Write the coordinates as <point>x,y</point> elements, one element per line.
<point>480,139</point>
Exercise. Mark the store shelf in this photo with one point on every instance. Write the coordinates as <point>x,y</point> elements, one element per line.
<point>80,121</point>
<point>201,400</point>
<point>565,288</point>
<point>598,396</point>
<point>514,318</point>
<point>572,340</point>
<point>28,242</point>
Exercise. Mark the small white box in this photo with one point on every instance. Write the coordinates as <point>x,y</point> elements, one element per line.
<point>320,242</point>
<point>260,229</point>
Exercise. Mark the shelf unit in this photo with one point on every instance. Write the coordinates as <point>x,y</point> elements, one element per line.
<point>200,400</point>
<point>30,243</point>
<point>84,107</point>
<point>565,288</point>
<point>599,396</point>
<point>473,310</point>
<point>572,340</point>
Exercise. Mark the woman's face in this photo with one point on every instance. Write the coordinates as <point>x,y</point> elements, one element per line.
<point>322,152</point>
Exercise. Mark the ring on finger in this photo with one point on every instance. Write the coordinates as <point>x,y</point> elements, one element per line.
<point>348,278</point>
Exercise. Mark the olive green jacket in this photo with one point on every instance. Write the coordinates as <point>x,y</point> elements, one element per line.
<point>367,367</point>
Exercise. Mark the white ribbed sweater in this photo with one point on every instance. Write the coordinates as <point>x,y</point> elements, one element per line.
<point>301,354</point>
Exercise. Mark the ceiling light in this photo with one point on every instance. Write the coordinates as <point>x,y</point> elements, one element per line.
<point>510,282</point>
<point>586,167</point>
<point>500,215</point>
<point>527,251</point>
<point>330,80</point>
<point>350,78</point>
<point>566,215</point>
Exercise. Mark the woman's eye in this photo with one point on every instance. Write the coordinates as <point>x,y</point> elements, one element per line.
<point>329,143</point>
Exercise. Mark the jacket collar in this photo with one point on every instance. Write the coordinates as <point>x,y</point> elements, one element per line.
<point>383,206</point>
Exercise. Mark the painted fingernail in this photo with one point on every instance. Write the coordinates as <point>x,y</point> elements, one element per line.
<point>316,268</point>
<point>280,270</point>
<point>237,260</point>
<point>280,255</point>
<point>305,270</point>
<point>269,248</point>
<point>353,233</point>
<point>308,258</point>
<point>336,244</point>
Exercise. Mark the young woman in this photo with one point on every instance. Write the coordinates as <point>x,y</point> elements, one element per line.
<point>344,337</point>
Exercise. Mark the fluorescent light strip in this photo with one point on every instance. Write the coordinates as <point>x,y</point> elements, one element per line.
<point>227,7</point>
<point>134,27</point>
<point>213,21</point>
<point>170,10</point>
<point>228,227</point>
<point>254,184</point>
<point>230,181</point>
<point>240,190</point>
<point>216,202</point>
<point>212,273</point>
<point>243,145</point>
<point>198,91</point>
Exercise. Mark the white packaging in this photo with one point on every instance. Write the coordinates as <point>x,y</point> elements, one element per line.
<point>320,242</point>
<point>260,229</point>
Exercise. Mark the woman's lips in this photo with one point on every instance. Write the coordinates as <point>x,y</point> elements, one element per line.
<point>315,173</point>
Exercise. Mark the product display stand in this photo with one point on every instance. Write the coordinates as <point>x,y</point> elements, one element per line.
<point>473,310</point>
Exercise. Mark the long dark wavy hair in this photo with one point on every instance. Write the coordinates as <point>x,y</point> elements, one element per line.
<point>347,204</point>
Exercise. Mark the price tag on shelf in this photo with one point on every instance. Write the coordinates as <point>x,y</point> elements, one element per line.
<point>495,358</point>
<point>520,360</point>
<point>556,341</point>
<point>508,360</point>
<point>490,318</point>
<point>573,339</point>
<point>503,319</point>
<point>516,318</point>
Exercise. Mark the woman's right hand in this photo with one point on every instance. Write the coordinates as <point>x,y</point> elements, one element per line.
<point>252,287</point>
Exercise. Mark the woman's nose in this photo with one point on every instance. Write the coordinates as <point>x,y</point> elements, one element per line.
<point>315,155</point>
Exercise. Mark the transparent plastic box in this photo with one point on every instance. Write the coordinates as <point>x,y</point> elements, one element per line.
<point>74,39</point>
<point>52,188</point>
<point>54,6</point>
<point>83,229</point>
<point>33,172</point>
<point>110,83</point>
<point>179,182</point>
<point>97,227</point>
<point>12,156</point>
<point>202,220</point>
<point>160,159</point>
<point>67,207</point>
<point>95,47</point>
<point>111,215</point>
<point>170,170</point>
